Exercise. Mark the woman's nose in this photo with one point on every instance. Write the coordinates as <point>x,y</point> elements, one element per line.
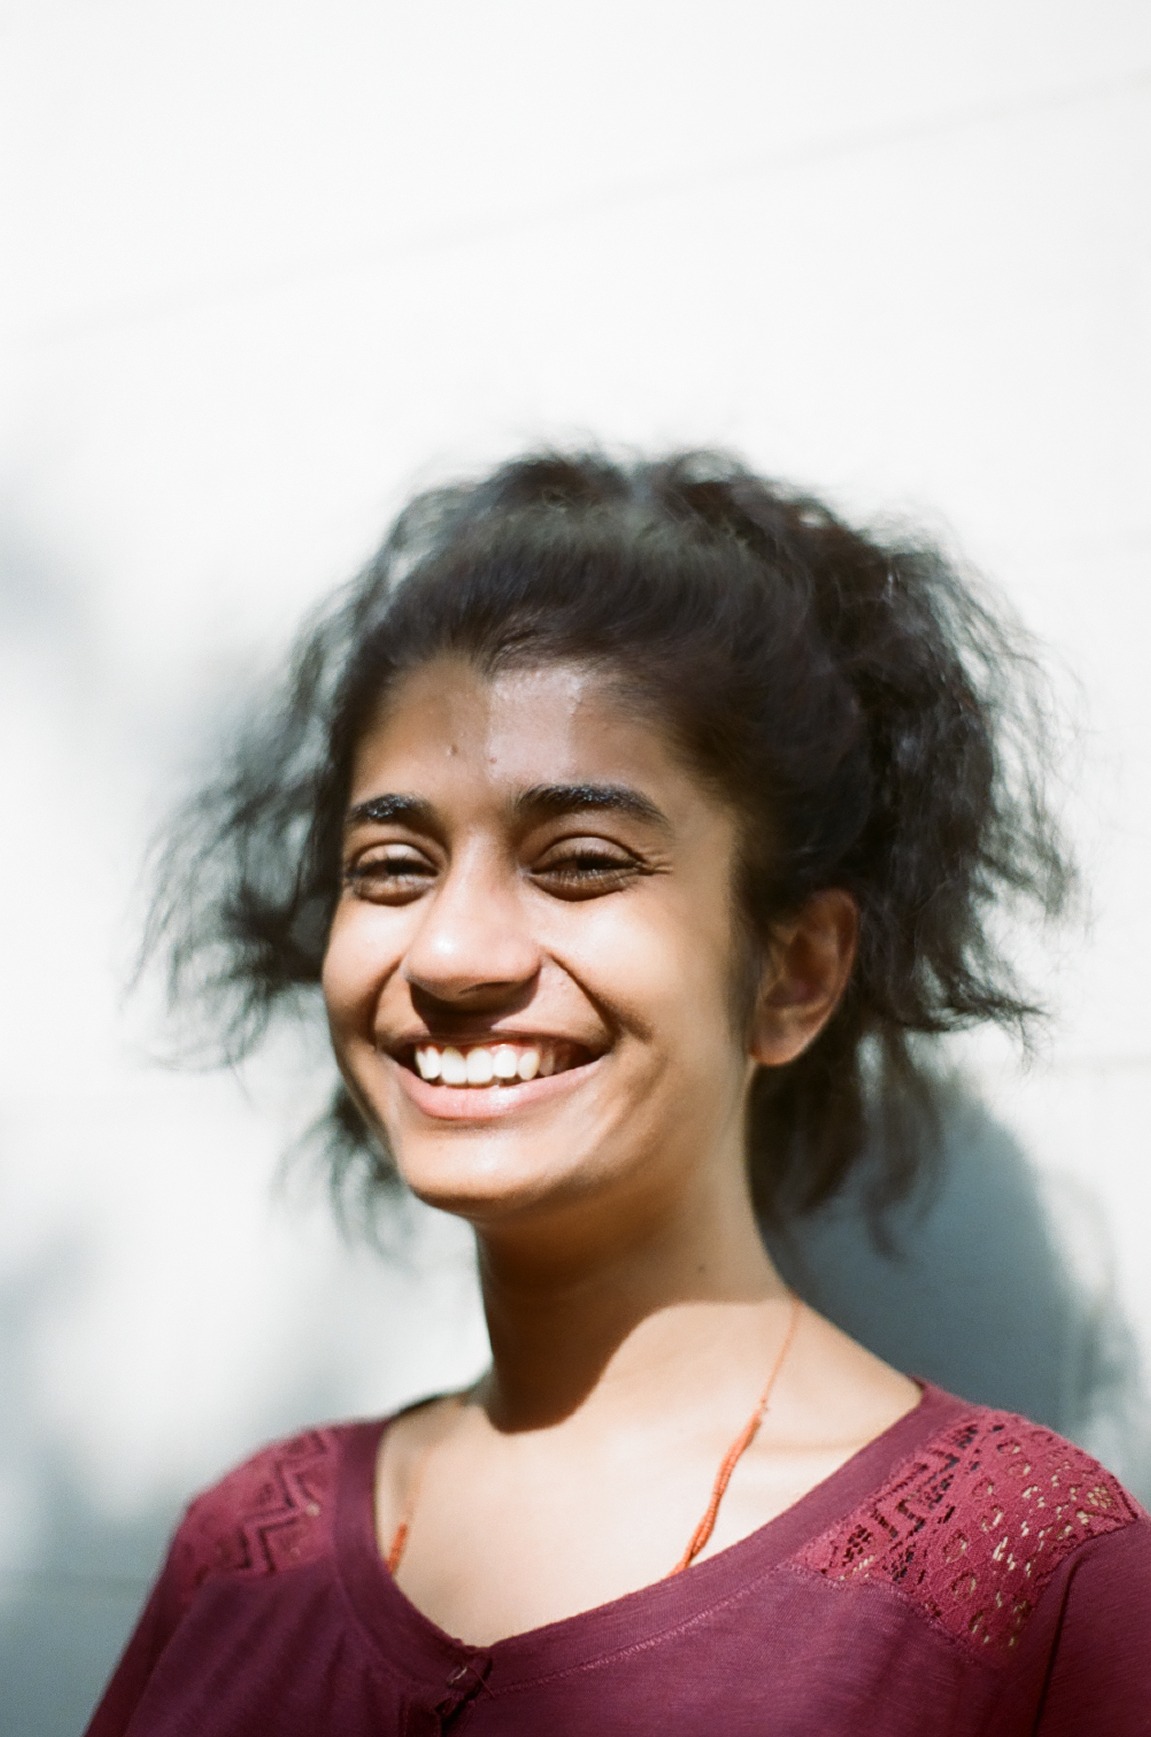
<point>473,941</point>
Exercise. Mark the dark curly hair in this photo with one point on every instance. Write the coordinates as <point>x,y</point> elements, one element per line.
<point>875,725</point>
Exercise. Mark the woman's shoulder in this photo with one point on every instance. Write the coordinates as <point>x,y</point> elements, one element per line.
<point>273,1511</point>
<point>977,1517</point>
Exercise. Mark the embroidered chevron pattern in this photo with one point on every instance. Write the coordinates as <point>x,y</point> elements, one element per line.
<point>270,1514</point>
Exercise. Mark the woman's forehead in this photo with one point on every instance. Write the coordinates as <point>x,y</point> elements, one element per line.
<point>447,722</point>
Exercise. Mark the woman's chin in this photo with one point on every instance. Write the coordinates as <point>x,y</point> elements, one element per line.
<point>486,1179</point>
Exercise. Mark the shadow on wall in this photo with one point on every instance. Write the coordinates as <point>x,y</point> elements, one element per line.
<point>978,1293</point>
<point>71,1579</point>
<point>64,1618</point>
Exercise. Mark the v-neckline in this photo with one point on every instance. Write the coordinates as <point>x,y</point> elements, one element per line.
<point>412,1644</point>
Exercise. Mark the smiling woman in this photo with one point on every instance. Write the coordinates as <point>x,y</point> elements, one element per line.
<point>634,824</point>
<point>499,929</point>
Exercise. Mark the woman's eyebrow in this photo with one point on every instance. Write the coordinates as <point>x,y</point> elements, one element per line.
<point>545,800</point>
<point>542,801</point>
<point>413,811</point>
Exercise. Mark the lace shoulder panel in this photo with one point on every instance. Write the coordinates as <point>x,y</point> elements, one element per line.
<point>973,1526</point>
<point>273,1512</point>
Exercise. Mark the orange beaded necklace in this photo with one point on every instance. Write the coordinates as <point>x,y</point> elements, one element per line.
<point>723,1477</point>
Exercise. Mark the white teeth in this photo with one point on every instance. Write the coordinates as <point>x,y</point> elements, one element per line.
<point>480,1067</point>
<point>503,1064</point>
<point>455,1068</point>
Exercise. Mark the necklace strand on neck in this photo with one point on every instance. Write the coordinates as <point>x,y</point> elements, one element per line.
<point>706,1527</point>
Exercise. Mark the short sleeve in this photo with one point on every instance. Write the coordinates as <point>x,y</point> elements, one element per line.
<point>268,1516</point>
<point>1100,1679</point>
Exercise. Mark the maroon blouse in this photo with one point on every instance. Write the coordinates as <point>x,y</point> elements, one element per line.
<point>966,1572</point>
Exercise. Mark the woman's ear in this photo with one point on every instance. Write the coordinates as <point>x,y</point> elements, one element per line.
<point>804,977</point>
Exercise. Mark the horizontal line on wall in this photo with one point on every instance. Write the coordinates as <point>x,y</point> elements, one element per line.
<point>53,1582</point>
<point>515,225</point>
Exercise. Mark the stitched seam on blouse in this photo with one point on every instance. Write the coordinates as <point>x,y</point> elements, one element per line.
<point>893,1595</point>
<point>971,1528</point>
<point>635,1647</point>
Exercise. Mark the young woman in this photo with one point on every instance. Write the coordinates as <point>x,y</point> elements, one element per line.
<point>633,821</point>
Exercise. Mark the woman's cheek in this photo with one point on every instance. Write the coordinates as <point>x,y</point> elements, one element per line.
<point>348,976</point>
<point>655,953</point>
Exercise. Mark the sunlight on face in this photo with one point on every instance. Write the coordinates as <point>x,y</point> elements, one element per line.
<point>529,974</point>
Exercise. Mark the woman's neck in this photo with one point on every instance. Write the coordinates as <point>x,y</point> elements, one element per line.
<point>626,1322</point>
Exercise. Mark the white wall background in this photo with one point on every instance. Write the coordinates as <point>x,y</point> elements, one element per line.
<point>268,265</point>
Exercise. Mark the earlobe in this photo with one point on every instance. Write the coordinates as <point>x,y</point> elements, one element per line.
<point>804,977</point>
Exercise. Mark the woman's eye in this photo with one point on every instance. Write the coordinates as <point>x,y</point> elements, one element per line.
<point>391,875</point>
<point>586,871</point>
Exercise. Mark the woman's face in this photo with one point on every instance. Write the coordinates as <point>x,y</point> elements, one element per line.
<point>529,978</point>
